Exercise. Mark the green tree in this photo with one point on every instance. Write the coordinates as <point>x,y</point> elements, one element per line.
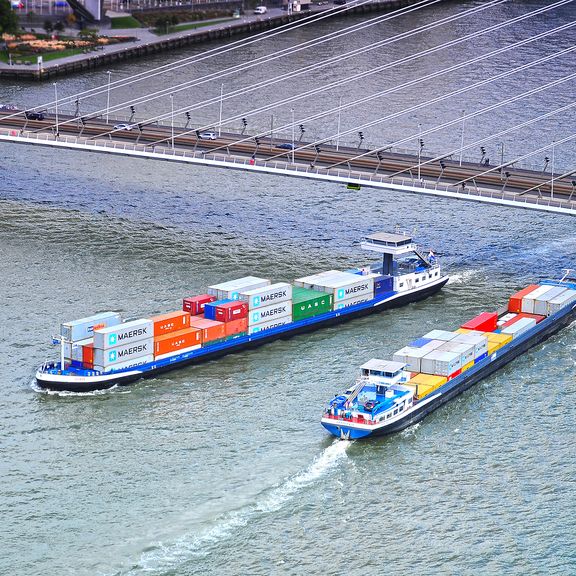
<point>8,18</point>
<point>48,27</point>
<point>59,27</point>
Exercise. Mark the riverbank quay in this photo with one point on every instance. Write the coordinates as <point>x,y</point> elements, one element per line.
<point>147,43</point>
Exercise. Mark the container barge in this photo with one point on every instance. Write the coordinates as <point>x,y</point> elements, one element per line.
<point>390,395</point>
<point>102,351</point>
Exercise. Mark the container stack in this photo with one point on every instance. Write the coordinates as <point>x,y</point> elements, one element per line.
<point>231,290</point>
<point>268,306</point>
<point>232,313</point>
<point>174,335</point>
<point>307,303</point>
<point>541,300</point>
<point>123,346</point>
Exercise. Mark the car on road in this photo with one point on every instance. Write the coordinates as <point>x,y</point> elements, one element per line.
<point>35,115</point>
<point>260,10</point>
<point>208,136</point>
<point>339,2</point>
<point>8,107</point>
<point>286,146</point>
<point>122,126</point>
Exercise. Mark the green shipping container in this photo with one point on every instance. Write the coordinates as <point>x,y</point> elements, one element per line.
<point>307,303</point>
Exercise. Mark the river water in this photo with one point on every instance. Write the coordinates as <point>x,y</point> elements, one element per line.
<point>224,468</point>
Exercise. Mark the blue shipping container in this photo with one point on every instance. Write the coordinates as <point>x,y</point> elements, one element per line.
<point>485,355</point>
<point>210,308</point>
<point>420,342</point>
<point>383,284</point>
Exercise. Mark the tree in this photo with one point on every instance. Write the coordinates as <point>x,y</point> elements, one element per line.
<point>48,27</point>
<point>8,18</point>
<point>59,27</point>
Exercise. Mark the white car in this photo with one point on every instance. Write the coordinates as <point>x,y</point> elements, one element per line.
<point>260,10</point>
<point>123,126</point>
<point>208,135</point>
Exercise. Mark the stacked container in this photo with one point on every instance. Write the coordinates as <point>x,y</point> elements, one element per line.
<point>211,331</point>
<point>479,341</point>
<point>465,350</point>
<point>225,310</point>
<point>515,301</point>
<point>412,355</point>
<point>423,384</point>
<point>308,303</point>
<point>560,301</point>
<point>123,346</point>
<point>530,299</point>
<point>84,328</point>
<point>267,296</point>
<point>519,327</point>
<point>496,341</point>
<point>485,322</point>
<point>440,335</point>
<point>442,363</point>
<point>541,303</point>
<point>195,304</point>
<point>231,289</point>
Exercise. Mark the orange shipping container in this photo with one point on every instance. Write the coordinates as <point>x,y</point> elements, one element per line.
<point>236,326</point>
<point>170,322</point>
<point>211,329</point>
<point>88,355</point>
<point>177,341</point>
<point>515,302</point>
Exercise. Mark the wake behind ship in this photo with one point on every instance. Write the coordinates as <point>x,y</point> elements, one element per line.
<point>102,351</point>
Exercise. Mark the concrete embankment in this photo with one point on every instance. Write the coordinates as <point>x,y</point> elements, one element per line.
<point>145,46</point>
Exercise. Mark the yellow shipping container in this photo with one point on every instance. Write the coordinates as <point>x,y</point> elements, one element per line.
<point>413,387</point>
<point>493,346</point>
<point>467,366</point>
<point>497,337</point>
<point>429,380</point>
<point>464,331</point>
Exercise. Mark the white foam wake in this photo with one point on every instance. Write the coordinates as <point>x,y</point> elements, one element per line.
<point>166,556</point>
<point>462,278</point>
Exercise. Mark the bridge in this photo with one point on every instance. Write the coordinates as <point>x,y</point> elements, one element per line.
<point>284,150</point>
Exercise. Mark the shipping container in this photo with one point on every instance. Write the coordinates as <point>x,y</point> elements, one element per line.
<point>519,327</point>
<point>235,327</point>
<point>351,302</point>
<point>211,329</point>
<point>195,304</point>
<point>440,335</point>
<point>441,362</point>
<point>501,339</point>
<point>177,352</point>
<point>226,310</point>
<point>517,317</point>
<point>256,328</point>
<point>73,350</point>
<point>429,379</point>
<point>232,288</point>
<point>279,292</point>
<point>506,318</point>
<point>485,322</point>
<point>480,358</point>
<point>454,374</point>
<point>411,357</point>
<point>465,349</point>
<point>269,313</point>
<point>308,281</point>
<point>477,339</point>
<point>529,300</point>
<point>170,322</point>
<point>84,328</point>
<point>419,342</point>
<point>307,303</point>
<point>515,301</point>
<point>541,303</point>
<point>560,301</point>
<point>467,366</point>
<point>346,286</point>
<point>175,341</point>
<point>132,363</point>
<point>88,355</point>
<point>493,346</point>
<point>123,353</point>
<point>126,333</point>
<point>463,331</point>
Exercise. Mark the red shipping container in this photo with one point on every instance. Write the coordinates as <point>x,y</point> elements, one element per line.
<point>485,322</point>
<point>536,317</point>
<point>454,374</point>
<point>170,322</point>
<point>236,326</point>
<point>231,311</point>
<point>88,356</point>
<point>211,329</point>
<point>515,302</point>
<point>175,341</point>
<point>195,304</point>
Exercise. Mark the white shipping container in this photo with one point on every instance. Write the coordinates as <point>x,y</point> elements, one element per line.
<point>479,341</point>
<point>308,281</point>
<point>269,313</point>
<point>441,362</point>
<point>466,351</point>
<point>519,327</point>
<point>352,302</point>
<point>268,295</point>
<point>177,352</point>
<point>528,300</point>
<point>560,301</point>
<point>412,357</point>
<point>231,289</point>
<point>346,287</point>
<point>73,350</point>
<point>506,318</point>
<point>84,328</point>
<point>133,363</point>
<point>125,333</point>
<point>123,353</point>
<point>541,303</point>
<point>441,335</point>
<point>269,325</point>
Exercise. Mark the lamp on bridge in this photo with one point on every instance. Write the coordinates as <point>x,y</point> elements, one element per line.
<point>56,101</point>
<point>361,137</point>
<point>244,124</point>
<point>302,130</point>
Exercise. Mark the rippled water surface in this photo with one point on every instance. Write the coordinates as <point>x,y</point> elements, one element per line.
<point>224,468</point>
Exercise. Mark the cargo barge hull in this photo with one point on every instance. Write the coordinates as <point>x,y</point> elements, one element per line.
<point>46,379</point>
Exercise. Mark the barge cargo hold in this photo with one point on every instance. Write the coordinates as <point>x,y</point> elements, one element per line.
<point>238,315</point>
<point>391,395</point>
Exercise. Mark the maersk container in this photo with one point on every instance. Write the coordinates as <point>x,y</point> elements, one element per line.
<point>519,327</point>
<point>529,300</point>
<point>309,281</point>
<point>476,339</point>
<point>73,350</point>
<point>126,333</point>
<point>256,328</point>
<point>307,303</point>
<point>84,328</point>
<point>270,313</point>
<point>232,288</point>
<point>133,363</point>
<point>352,302</point>
<point>465,350</point>
<point>279,292</point>
<point>560,301</point>
<point>345,286</point>
<point>440,335</point>
<point>123,353</point>
<point>441,362</point>
<point>541,303</point>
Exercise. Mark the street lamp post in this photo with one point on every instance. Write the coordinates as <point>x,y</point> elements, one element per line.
<point>339,118</point>
<point>172,119</point>
<point>552,172</point>
<point>220,115</point>
<point>108,96</point>
<point>56,99</point>
<point>293,137</point>
<point>462,137</point>
<point>419,148</point>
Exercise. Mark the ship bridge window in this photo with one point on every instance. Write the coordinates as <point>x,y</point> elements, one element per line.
<point>401,284</point>
<point>395,411</point>
<point>417,279</point>
<point>365,372</point>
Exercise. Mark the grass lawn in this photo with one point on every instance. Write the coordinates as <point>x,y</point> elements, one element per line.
<point>33,58</point>
<point>191,26</point>
<point>125,22</point>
